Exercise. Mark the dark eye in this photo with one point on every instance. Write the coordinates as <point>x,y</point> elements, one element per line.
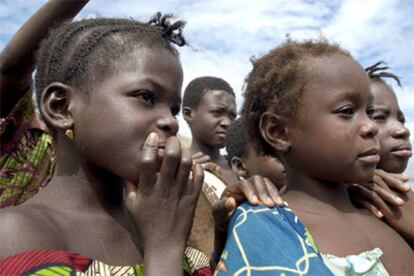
<point>370,111</point>
<point>346,110</point>
<point>378,117</point>
<point>175,111</point>
<point>146,96</point>
<point>401,118</point>
<point>216,113</point>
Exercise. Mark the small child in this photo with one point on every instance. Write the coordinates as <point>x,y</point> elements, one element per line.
<point>310,104</point>
<point>246,161</point>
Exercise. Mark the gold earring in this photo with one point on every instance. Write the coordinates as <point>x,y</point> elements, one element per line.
<point>69,133</point>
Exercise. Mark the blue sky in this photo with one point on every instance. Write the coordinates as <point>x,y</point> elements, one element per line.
<point>224,34</point>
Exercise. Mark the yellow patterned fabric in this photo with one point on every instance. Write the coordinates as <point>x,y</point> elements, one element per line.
<point>26,154</point>
<point>64,263</point>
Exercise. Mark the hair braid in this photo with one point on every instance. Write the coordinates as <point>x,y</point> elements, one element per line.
<point>378,72</point>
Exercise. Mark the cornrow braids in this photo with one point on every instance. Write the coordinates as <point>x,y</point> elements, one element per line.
<point>72,52</point>
<point>378,72</point>
<point>171,32</point>
<point>277,82</point>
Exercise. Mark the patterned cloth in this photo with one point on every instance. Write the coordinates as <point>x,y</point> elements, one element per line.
<point>26,153</point>
<point>63,263</point>
<point>269,242</point>
<point>367,263</point>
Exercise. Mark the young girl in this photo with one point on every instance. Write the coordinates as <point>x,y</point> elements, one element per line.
<point>391,200</point>
<point>109,90</point>
<point>309,104</point>
<point>246,161</point>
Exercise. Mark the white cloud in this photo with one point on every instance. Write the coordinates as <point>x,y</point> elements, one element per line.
<point>226,33</point>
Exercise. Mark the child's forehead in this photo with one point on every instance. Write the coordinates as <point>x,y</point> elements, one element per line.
<point>216,97</point>
<point>333,71</point>
<point>383,94</point>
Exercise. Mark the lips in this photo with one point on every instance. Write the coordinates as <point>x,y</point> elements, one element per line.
<point>221,134</point>
<point>404,151</point>
<point>370,157</point>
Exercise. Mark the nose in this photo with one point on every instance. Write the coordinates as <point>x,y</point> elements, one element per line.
<point>400,132</point>
<point>369,129</point>
<point>225,122</point>
<point>168,124</point>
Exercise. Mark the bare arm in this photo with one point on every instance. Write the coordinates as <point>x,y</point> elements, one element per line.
<point>17,58</point>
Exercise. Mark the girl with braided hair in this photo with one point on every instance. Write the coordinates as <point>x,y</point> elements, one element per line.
<point>108,90</point>
<point>389,196</point>
<point>124,191</point>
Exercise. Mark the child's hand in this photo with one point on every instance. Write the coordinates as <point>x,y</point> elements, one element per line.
<point>256,190</point>
<point>205,162</point>
<point>379,195</point>
<point>162,205</point>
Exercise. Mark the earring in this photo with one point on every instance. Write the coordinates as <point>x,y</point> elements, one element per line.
<point>241,177</point>
<point>69,133</point>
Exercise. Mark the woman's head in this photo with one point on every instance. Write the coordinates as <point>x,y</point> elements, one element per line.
<point>246,161</point>
<point>112,81</point>
<point>308,104</point>
<point>393,134</point>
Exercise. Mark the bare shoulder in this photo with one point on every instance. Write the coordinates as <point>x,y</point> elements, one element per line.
<point>25,228</point>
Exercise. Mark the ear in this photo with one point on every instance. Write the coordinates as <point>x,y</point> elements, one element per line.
<point>238,167</point>
<point>54,105</point>
<point>188,114</point>
<point>274,131</point>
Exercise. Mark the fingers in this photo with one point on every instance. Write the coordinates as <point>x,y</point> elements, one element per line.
<point>148,165</point>
<point>374,211</point>
<point>384,191</point>
<point>373,198</point>
<point>195,182</point>
<point>394,181</point>
<point>170,165</point>
<point>200,158</point>
<point>248,192</point>
<point>262,191</point>
<point>273,192</point>
<point>130,191</point>
<point>212,167</point>
<point>184,169</point>
<point>222,211</point>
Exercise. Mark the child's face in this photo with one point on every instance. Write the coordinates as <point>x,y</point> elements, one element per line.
<point>138,95</point>
<point>332,137</point>
<point>393,135</point>
<point>213,115</point>
<point>266,166</point>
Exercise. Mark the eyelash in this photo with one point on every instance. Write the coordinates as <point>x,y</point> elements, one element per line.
<point>175,111</point>
<point>379,117</point>
<point>146,96</point>
<point>346,110</point>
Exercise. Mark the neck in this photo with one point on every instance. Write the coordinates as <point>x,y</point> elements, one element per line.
<point>80,185</point>
<point>214,153</point>
<point>333,194</point>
